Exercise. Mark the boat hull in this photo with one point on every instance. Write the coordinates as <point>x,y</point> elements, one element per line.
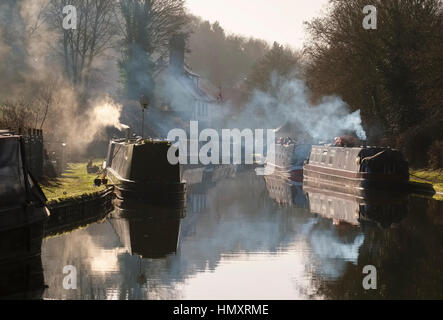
<point>133,195</point>
<point>357,183</point>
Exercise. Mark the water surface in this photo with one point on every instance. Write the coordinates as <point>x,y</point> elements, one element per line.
<point>246,237</point>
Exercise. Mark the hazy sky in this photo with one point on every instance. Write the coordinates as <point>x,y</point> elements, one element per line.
<point>271,20</point>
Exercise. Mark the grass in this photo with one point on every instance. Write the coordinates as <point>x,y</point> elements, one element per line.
<point>75,181</point>
<point>429,177</point>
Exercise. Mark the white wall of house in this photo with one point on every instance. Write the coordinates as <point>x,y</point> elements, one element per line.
<point>202,111</point>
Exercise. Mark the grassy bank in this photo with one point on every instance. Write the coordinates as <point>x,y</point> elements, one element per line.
<point>432,178</point>
<point>75,181</point>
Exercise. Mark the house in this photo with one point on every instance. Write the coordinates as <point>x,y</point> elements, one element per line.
<point>182,94</point>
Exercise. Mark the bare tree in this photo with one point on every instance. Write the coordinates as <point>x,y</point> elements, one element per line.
<point>46,100</point>
<point>16,114</point>
<point>94,34</point>
<point>147,26</point>
<point>152,22</point>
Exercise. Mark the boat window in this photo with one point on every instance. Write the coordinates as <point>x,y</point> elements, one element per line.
<point>323,158</point>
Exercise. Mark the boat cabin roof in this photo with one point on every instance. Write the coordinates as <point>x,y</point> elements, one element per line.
<point>353,159</point>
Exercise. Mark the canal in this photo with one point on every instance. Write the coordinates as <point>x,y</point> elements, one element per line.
<point>246,237</point>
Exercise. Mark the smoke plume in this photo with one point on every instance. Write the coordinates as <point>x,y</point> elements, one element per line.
<point>289,101</point>
<point>106,113</point>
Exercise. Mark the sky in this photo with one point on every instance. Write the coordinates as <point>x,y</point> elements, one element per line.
<point>271,20</point>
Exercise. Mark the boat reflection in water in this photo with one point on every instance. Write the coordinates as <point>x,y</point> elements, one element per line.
<point>153,231</point>
<point>336,225</point>
<point>286,192</point>
<point>339,207</point>
<point>343,208</point>
<point>21,278</point>
<point>149,233</point>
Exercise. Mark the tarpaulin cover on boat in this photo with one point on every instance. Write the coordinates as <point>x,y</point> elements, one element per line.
<point>382,160</point>
<point>12,182</point>
<point>142,162</point>
<point>14,189</point>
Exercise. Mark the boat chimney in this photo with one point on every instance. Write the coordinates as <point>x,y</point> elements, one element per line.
<point>128,134</point>
<point>365,144</point>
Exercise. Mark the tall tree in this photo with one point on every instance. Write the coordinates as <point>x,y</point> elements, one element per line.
<point>279,61</point>
<point>224,59</point>
<point>390,73</point>
<point>94,34</point>
<point>147,26</point>
<point>13,47</point>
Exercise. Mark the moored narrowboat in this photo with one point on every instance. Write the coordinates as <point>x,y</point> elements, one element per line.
<point>288,158</point>
<point>23,212</point>
<point>356,170</point>
<point>23,215</point>
<point>142,175</point>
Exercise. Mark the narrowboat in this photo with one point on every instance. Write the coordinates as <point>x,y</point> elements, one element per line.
<point>356,170</point>
<point>23,211</point>
<point>287,159</point>
<point>142,175</point>
<point>23,215</point>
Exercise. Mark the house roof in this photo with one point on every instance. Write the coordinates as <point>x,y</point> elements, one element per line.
<point>189,81</point>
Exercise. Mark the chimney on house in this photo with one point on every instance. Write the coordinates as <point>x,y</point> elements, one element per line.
<point>177,46</point>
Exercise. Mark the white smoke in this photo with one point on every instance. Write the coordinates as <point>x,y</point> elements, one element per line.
<point>288,100</point>
<point>91,126</point>
<point>106,113</point>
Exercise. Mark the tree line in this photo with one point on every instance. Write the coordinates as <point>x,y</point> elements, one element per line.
<point>224,59</point>
<point>392,74</point>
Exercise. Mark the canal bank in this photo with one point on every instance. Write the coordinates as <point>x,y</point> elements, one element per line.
<point>76,212</point>
<point>427,181</point>
<point>74,181</point>
<point>74,200</point>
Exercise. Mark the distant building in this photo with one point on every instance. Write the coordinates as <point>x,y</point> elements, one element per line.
<point>181,93</point>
